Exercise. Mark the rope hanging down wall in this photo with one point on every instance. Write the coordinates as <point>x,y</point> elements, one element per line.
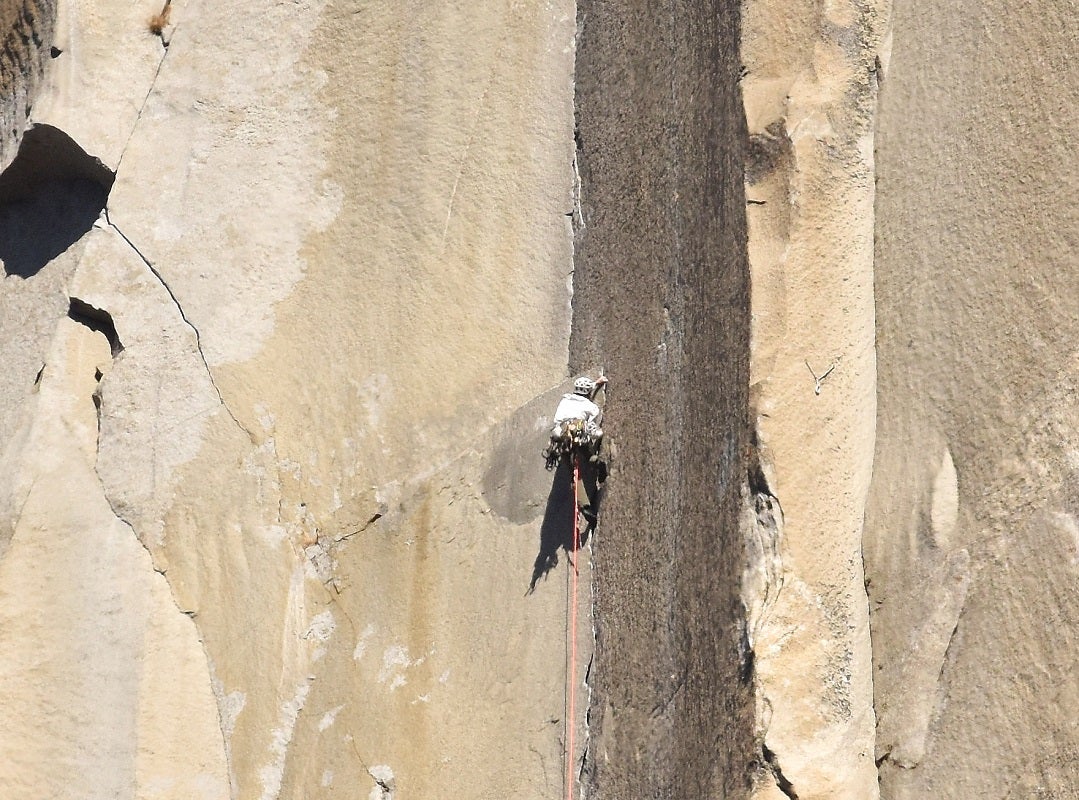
<point>571,649</point>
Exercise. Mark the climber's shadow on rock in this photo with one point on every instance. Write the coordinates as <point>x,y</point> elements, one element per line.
<point>556,531</point>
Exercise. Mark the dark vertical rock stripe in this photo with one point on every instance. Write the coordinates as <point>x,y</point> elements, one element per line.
<point>662,302</point>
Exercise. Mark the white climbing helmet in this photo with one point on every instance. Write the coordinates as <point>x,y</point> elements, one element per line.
<point>584,385</point>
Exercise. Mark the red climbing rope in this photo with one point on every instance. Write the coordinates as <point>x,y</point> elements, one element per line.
<point>571,671</point>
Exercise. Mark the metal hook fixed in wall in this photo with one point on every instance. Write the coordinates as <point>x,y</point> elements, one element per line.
<point>819,381</point>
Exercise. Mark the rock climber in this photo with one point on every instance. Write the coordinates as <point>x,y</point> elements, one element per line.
<point>577,432</point>
<point>576,421</point>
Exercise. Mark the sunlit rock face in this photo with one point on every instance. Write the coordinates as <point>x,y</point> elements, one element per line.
<point>284,313</point>
<point>291,290</point>
<point>810,94</point>
<point>971,526</point>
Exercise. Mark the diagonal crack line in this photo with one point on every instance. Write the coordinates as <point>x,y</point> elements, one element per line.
<point>948,649</point>
<point>116,512</point>
<point>365,526</point>
<point>142,105</point>
<point>190,615</point>
<point>385,787</point>
<point>183,316</point>
<point>782,782</point>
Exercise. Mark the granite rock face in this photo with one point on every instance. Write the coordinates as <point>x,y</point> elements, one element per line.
<point>661,299</point>
<point>290,291</point>
<point>971,547</point>
<point>26,33</point>
<point>810,95</point>
<point>264,400</point>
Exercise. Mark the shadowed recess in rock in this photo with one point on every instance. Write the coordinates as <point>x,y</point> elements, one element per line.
<point>50,196</point>
<point>97,320</point>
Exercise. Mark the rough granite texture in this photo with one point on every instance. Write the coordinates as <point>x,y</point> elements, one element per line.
<point>26,42</point>
<point>290,291</point>
<point>810,91</point>
<point>261,414</point>
<point>661,299</point>
<point>972,536</point>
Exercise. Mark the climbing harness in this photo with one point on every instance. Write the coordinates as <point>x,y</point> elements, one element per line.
<point>568,438</point>
<point>571,600</point>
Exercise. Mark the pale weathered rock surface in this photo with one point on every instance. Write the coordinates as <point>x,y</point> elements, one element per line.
<point>809,91</point>
<point>104,681</point>
<point>971,529</point>
<point>298,571</point>
<point>286,307</point>
<point>104,64</point>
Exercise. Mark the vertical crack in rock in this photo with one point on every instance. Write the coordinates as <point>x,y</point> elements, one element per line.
<point>809,174</point>
<point>96,397</point>
<point>762,581</point>
<point>762,584</point>
<point>99,321</point>
<point>586,745</point>
<point>575,214</point>
<point>198,340</point>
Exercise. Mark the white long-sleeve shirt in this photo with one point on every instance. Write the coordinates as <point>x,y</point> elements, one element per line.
<point>576,406</point>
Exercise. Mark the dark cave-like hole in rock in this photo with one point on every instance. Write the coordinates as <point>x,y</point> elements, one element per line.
<point>50,196</point>
<point>98,320</point>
